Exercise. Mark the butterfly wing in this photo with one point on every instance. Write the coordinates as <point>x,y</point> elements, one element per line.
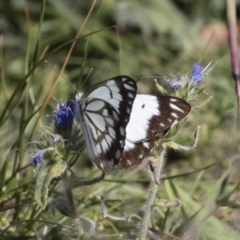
<point>119,92</point>
<point>151,115</point>
<point>103,113</point>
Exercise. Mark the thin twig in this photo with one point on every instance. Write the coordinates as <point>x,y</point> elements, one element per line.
<point>233,44</point>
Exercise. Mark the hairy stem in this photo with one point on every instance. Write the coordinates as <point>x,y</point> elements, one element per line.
<point>151,198</point>
<point>73,210</point>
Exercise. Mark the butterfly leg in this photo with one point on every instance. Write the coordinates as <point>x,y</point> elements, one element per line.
<point>74,181</point>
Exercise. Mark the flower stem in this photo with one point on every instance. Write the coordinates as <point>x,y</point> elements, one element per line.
<point>233,45</point>
<point>73,210</point>
<point>151,197</point>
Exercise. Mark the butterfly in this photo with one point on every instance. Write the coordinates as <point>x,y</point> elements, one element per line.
<point>119,125</point>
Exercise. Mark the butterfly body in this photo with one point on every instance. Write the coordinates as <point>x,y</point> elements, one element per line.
<point>119,126</point>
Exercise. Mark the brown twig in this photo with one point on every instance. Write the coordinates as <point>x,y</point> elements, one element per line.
<point>233,44</point>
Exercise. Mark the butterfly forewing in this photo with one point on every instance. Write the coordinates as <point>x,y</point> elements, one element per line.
<point>103,113</point>
<point>104,133</point>
<point>119,92</point>
<point>151,116</point>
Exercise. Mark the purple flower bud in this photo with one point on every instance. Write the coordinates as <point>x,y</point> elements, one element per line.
<point>37,157</point>
<point>174,85</point>
<point>197,76</point>
<point>64,118</point>
<point>57,138</point>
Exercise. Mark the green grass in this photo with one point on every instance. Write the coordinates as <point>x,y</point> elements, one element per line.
<point>152,38</point>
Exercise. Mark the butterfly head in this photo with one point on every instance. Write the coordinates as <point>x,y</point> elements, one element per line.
<point>78,96</point>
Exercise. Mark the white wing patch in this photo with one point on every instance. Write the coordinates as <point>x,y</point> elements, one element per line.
<point>173,106</point>
<point>95,106</point>
<point>144,108</point>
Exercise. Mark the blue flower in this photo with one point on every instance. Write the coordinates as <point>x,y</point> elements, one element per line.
<point>197,76</point>
<point>37,157</point>
<point>64,118</point>
<point>174,85</point>
<point>65,113</point>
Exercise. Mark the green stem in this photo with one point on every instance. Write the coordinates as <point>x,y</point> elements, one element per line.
<point>151,198</point>
<point>73,211</point>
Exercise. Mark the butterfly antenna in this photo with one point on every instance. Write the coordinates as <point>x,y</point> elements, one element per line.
<point>61,75</point>
<point>88,76</point>
<point>204,71</point>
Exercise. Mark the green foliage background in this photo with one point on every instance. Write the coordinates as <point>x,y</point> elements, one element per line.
<point>152,38</point>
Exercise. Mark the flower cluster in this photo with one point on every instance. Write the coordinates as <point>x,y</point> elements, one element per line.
<point>195,78</point>
<point>63,117</point>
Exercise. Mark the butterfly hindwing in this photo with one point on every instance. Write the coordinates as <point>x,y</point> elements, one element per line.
<point>153,116</point>
<point>103,112</point>
<point>135,153</point>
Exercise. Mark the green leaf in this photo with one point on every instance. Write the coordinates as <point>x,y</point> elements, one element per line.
<point>48,170</point>
<point>204,222</point>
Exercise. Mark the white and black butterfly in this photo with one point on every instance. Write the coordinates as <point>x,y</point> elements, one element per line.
<point>119,126</point>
